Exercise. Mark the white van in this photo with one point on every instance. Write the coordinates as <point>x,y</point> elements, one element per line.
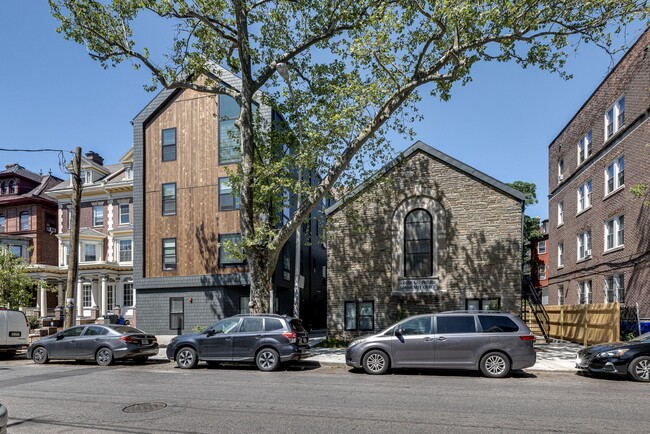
<point>14,332</point>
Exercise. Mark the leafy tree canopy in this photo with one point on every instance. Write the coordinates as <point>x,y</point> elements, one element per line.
<point>15,285</point>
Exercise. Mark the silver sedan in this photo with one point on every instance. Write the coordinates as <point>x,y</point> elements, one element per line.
<point>102,343</point>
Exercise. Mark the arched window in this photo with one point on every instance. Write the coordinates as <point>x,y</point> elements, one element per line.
<point>418,244</point>
<point>3,188</point>
<point>11,187</point>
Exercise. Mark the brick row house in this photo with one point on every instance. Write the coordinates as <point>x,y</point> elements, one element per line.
<point>184,151</point>
<point>427,233</point>
<point>105,273</point>
<point>599,232</point>
<point>539,263</point>
<point>28,224</point>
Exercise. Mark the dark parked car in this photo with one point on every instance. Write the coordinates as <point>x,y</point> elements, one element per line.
<point>102,343</point>
<point>495,343</point>
<point>267,340</point>
<point>621,358</point>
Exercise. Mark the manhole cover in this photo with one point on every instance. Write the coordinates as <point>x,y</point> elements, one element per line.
<point>145,407</point>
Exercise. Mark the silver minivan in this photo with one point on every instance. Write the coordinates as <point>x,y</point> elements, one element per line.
<point>492,342</point>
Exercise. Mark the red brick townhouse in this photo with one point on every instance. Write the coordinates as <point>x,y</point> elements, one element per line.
<point>599,232</point>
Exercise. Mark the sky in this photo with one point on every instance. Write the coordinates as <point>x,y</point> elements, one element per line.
<point>55,96</point>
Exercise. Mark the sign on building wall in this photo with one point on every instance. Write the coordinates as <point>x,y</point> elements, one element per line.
<point>418,285</point>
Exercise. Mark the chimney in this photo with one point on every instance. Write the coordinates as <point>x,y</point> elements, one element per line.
<point>12,166</point>
<point>95,158</point>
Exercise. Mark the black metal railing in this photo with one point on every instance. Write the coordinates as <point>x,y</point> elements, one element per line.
<point>530,299</point>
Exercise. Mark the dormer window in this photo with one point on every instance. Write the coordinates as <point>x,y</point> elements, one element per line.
<point>88,177</point>
<point>128,173</point>
<point>12,187</point>
<point>4,188</point>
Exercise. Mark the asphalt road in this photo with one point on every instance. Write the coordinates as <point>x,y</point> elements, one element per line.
<point>157,397</point>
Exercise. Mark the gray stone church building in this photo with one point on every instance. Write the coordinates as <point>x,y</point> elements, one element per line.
<point>426,233</point>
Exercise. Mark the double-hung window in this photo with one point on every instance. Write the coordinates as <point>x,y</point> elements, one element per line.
<point>229,148</point>
<point>614,232</point>
<point>541,247</point>
<point>226,256</point>
<point>24,221</point>
<point>169,144</point>
<point>359,315</point>
<point>584,245</point>
<point>560,170</point>
<point>584,196</point>
<point>615,117</point>
<point>169,198</point>
<point>98,215</point>
<point>560,255</point>
<point>585,147</point>
<point>615,175</point>
<point>560,213</point>
<point>584,292</point>
<point>615,288</point>
<point>169,254</point>
<point>90,252</point>
<point>560,294</point>
<point>125,217</point>
<point>541,269</point>
<point>227,199</point>
<point>126,250</point>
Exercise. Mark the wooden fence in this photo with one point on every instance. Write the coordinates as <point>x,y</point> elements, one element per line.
<point>585,324</point>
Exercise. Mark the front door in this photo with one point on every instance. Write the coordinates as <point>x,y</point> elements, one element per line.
<point>456,343</point>
<point>412,344</point>
<point>217,343</point>
<point>245,342</point>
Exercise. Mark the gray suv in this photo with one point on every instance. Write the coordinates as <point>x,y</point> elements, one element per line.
<point>267,340</point>
<point>495,343</point>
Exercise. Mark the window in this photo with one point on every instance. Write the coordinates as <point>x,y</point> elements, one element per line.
<point>497,324</point>
<point>615,175</point>
<point>227,200</point>
<point>614,232</point>
<point>176,313</point>
<point>169,144</point>
<point>66,254</point>
<point>126,250</point>
<point>615,288</point>
<point>416,326</point>
<point>560,171</point>
<point>541,247</point>
<point>482,304</point>
<point>225,257</point>
<point>359,315</point>
<point>3,224</point>
<point>584,292</point>
<point>88,177</point>
<point>24,221</point>
<point>98,215</point>
<point>17,251</point>
<point>286,263</point>
<point>229,148</point>
<point>125,217</point>
<point>95,331</point>
<point>584,245</point>
<point>448,324</point>
<point>110,296</point>
<point>584,147</point>
<point>129,299</point>
<point>541,271</point>
<point>560,255</point>
<point>72,332</point>
<point>418,244</point>
<point>169,198</point>
<point>128,173</point>
<point>584,196</point>
<point>560,213</point>
<point>89,252</point>
<point>272,324</point>
<point>615,118</point>
<point>560,294</point>
<point>87,293</point>
<point>251,325</point>
<point>169,254</point>
<point>3,188</point>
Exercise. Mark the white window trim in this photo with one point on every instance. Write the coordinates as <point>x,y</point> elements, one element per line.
<point>94,216</point>
<point>617,244</point>
<point>582,241</point>
<point>560,213</point>
<point>560,295</point>
<point>118,258</point>
<point>588,196</point>
<point>539,244</point>
<point>584,286</point>
<point>82,252</point>
<point>583,147</point>
<point>616,111</point>
<point>128,214</point>
<point>560,255</point>
<point>617,171</point>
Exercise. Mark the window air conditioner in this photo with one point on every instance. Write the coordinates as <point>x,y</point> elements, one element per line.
<point>588,252</point>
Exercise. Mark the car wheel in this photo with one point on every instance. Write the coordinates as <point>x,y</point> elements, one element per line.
<point>40,356</point>
<point>375,362</point>
<point>104,356</point>
<point>267,360</point>
<point>186,358</point>
<point>639,368</point>
<point>495,365</point>
<point>140,360</point>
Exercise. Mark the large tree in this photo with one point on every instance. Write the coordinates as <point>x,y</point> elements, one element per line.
<point>16,287</point>
<point>356,66</point>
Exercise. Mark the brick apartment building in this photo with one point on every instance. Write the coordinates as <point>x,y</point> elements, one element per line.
<point>599,232</point>
<point>184,150</point>
<point>28,223</point>
<point>539,263</point>
<point>427,233</point>
<point>105,276</point>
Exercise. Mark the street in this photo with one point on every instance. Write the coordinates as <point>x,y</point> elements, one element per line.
<point>307,397</point>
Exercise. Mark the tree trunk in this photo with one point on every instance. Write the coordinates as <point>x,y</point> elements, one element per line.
<point>261,266</point>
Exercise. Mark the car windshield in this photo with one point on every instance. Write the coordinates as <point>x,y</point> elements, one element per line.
<point>643,338</point>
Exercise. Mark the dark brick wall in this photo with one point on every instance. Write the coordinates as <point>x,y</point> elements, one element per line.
<point>631,78</point>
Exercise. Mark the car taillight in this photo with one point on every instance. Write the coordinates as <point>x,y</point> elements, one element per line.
<point>527,338</point>
<point>127,339</point>
<point>155,339</point>
<point>289,335</point>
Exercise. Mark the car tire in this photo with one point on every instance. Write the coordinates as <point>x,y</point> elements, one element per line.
<point>639,369</point>
<point>140,360</point>
<point>375,362</point>
<point>186,358</point>
<point>104,356</point>
<point>40,356</point>
<point>267,360</point>
<point>495,365</point>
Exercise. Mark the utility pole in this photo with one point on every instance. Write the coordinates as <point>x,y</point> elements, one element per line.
<point>73,258</point>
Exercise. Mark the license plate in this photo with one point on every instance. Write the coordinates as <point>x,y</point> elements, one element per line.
<point>145,342</point>
<point>14,334</point>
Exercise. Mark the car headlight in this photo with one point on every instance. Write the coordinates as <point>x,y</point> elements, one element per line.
<point>357,342</point>
<point>613,353</point>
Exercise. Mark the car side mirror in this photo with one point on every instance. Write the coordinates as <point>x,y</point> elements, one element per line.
<point>210,332</point>
<point>399,332</point>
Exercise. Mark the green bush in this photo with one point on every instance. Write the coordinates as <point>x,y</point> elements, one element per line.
<point>33,321</point>
<point>330,342</point>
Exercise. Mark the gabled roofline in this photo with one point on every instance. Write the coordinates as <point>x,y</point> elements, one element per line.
<point>440,156</point>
